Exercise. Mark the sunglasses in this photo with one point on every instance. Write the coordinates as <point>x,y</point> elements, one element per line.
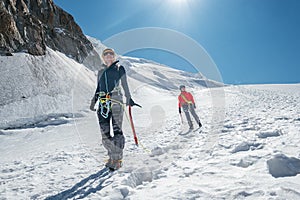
<point>108,53</point>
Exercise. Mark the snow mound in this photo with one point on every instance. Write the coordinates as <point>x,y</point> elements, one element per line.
<point>139,177</point>
<point>247,161</point>
<point>246,146</point>
<point>191,194</point>
<point>157,151</point>
<point>283,166</point>
<point>267,134</point>
<point>245,194</point>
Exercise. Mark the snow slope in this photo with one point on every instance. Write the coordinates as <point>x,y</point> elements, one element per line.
<point>254,155</point>
<point>161,76</point>
<point>98,46</point>
<point>35,89</point>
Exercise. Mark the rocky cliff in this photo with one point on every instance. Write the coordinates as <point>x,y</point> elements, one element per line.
<point>31,25</point>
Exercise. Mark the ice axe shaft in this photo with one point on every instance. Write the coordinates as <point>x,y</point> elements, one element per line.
<point>132,126</point>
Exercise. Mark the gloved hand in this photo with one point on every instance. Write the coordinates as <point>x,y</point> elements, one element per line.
<point>179,110</point>
<point>130,102</point>
<point>92,106</point>
<point>194,105</point>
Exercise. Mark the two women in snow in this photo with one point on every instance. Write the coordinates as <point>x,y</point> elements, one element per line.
<point>111,106</point>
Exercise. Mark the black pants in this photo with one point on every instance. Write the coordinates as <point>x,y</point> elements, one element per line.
<point>189,108</point>
<point>115,144</point>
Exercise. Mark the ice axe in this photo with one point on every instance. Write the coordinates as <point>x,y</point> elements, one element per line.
<point>132,124</point>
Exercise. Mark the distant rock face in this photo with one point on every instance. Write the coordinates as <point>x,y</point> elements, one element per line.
<point>31,25</point>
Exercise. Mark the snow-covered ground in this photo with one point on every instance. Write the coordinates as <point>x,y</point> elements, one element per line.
<point>248,149</point>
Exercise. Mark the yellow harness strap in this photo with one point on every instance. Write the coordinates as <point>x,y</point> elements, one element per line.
<point>184,98</point>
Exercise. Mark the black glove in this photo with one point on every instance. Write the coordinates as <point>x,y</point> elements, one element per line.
<point>194,105</point>
<point>130,102</point>
<point>179,110</point>
<point>92,106</point>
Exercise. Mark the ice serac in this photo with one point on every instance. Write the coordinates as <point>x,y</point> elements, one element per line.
<point>31,25</point>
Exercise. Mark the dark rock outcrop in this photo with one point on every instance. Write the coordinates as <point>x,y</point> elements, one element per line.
<point>31,25</point>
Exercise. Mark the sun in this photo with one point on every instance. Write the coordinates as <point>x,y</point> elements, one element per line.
<point>179,7</point>
<point>178,1</point>
<point>177,4</point>
<point>175,12</point>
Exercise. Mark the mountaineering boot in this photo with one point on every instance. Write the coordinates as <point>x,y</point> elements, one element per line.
<point>109,163</point>
<point>200,125</point>
<point>116,164</point>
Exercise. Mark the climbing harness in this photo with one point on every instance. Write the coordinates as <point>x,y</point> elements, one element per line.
<point>105,105</point>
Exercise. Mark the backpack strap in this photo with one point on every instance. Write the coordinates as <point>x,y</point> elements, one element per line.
<point>184,98</point>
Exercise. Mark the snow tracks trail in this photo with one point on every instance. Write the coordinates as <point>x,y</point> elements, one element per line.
<point>252,151</point>
<point>256,154</point>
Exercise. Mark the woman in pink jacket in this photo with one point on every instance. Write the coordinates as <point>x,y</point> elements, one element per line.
<point>187,102</point>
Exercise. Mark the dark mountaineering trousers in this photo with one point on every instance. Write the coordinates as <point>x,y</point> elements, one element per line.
<point>189,107</point>
<point>115,144</point>
<point>109,81</point>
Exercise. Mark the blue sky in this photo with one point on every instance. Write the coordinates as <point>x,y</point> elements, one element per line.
<point>251,41</point>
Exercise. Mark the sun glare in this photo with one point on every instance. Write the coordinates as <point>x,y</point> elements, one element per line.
<point>178,7</point>
<point>177,4</point>
<point>176,12</point>
<point>178,1</point>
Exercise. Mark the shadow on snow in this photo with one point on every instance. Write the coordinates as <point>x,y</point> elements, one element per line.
<point>85,187</point>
